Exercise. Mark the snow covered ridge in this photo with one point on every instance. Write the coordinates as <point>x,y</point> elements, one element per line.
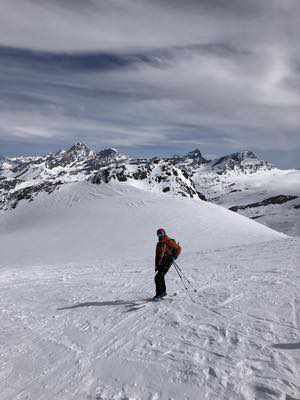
<point>270,197</point>
<point>244,161</point>
<point>22,178</point>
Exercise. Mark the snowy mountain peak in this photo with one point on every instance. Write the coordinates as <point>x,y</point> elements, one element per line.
<point>80,151</point>
<point>196,155</point>
<point>245,161</point>
<point>109,154</point>
<point>79,147</point>
<point>246,154</point>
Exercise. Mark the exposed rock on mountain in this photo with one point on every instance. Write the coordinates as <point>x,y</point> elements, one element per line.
<point>244,162</point>
<point>77,153</point>
<point>281,199</point>
<point>27,193</point>
<point>154,175</point>
<point>197,157</point>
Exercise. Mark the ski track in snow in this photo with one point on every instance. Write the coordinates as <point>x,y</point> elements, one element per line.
<point>87,332</point>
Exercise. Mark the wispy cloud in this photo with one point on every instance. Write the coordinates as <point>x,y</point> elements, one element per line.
<point>143,75</point>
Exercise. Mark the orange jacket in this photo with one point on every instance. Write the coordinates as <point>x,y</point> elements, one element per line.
<point>166,247</point>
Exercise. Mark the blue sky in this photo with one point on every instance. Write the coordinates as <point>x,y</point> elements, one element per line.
<point>159,77</point>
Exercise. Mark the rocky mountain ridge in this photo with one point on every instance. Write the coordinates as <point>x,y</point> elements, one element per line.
<point>22,178</point>
<point>241,181</point>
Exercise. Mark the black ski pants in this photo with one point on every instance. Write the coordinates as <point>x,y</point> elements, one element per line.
<point>160,275</point>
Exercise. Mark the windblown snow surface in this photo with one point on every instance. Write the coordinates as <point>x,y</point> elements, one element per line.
<point>77,270</point>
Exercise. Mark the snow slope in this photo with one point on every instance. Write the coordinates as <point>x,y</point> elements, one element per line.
<point>86,223</point>
<point>77,268</point>
<point>235,190</point>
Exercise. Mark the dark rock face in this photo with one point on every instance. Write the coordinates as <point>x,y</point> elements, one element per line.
<point>107,155</point>
<point>141,173</point>
<point>280,199</point>
<point>257,217</point>
<point>197,156</point>
<point>78,152</point>
<point>6,185</point>
<point>201,196</point>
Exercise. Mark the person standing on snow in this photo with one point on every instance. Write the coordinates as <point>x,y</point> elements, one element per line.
<point>167,250</point>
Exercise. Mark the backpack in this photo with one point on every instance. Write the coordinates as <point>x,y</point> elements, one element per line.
<point>177,248</point>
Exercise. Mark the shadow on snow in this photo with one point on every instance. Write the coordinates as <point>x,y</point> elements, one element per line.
<point>128,303</point>
<point>287,346</point>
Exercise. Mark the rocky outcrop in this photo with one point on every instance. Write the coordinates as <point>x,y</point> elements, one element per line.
<point>156,175</point>
<point>280,199</point>
<point>197,157</point>
<point>28,193</point>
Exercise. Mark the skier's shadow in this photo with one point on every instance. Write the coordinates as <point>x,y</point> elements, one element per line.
<point>128,303</point>
<point>286,346</point>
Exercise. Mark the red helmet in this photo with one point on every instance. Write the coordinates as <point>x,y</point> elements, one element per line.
<point>161,233</point>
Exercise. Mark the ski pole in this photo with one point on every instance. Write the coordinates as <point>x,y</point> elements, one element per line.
<point>179,272</point>
<point>182,280</point>
<point>185,277</point>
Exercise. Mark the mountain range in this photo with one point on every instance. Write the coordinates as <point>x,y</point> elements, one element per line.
<point>240,181</point>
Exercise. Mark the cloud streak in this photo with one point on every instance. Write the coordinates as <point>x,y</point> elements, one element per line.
<point>151,75</point>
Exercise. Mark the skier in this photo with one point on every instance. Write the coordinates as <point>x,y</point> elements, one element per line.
<point>167,250</point>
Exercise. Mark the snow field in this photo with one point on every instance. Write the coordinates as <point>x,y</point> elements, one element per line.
<point>75,323</point>
<point>244,189</point>
<point>88,223</point>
